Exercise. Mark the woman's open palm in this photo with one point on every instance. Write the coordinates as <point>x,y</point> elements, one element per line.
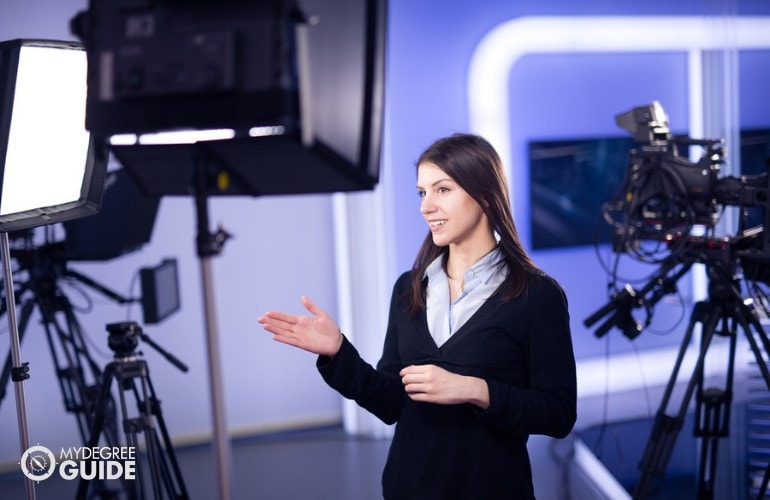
<point>317,333</point>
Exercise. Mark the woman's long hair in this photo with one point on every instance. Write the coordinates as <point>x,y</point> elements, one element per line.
<point>475,165</point>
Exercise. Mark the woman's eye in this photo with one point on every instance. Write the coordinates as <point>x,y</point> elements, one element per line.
<point>421,194</point>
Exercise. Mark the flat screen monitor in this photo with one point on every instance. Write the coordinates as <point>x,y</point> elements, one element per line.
<point>570,180</point>
<point>51,169</point>
<point>299,84</point>
<point>160,291</point>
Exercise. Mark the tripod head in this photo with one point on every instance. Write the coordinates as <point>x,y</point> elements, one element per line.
<point>124,338</point>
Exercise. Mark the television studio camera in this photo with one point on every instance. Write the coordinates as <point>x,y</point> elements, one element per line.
<point>666,213</point>
<point>665,196</point>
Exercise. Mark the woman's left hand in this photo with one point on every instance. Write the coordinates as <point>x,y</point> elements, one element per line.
<point>432,384</point>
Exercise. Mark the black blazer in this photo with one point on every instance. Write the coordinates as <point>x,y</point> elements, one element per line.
<point>521,348</point>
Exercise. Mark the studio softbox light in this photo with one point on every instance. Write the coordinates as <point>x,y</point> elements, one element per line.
<point>51,169</point>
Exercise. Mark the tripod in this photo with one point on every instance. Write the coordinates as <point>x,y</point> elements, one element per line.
<point>132,374</point>
<point>724,313</point>
<point>77,372</point>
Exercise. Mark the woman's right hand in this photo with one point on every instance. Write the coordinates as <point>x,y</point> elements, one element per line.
<point>318,333</point>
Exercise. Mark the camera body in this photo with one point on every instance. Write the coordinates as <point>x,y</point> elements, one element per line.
<point>665,195</point>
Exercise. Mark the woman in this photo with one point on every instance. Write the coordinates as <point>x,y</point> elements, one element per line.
<point>478,353</point>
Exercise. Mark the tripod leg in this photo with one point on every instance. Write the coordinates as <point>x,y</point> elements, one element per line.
<point>149,415</point>
<point>713,426</point>
<point>126,371</point>
<point>712,416</point>
<point>665,431</point>
<point>71,358</point>
<point>99,417</point>
<point>765,480</point>
<point>753,329</point>
<point>170,480</point>
<point>146,419</point>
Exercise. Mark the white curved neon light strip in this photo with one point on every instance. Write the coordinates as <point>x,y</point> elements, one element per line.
<point>502,47</point>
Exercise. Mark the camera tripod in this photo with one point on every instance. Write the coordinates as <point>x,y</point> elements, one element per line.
<point>78,374</point>
<point>76,371</point>
<point>724,313</point>
<point>132,374</point>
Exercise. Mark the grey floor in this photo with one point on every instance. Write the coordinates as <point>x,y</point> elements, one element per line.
<point>320,464</point>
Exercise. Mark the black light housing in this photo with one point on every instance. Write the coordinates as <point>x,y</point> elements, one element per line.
<point>300,84</point>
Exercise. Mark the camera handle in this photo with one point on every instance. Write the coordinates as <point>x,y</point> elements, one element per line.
<point>169,357</point>
<point>624,301</point>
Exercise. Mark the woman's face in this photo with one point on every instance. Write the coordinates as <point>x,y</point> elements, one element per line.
<point>453,217</point>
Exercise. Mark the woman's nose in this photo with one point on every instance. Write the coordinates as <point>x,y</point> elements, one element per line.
<point>426,204</point>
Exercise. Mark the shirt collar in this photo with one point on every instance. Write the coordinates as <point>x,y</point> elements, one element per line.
<point>480,272</point>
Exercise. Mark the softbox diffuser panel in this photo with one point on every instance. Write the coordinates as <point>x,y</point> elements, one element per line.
<point>51,169</point>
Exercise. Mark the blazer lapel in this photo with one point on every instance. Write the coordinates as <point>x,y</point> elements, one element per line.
<point>483,313</point>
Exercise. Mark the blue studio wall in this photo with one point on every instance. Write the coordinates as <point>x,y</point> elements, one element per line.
<point>284,246</point>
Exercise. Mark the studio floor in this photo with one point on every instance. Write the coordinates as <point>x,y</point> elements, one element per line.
<point>316,464</point>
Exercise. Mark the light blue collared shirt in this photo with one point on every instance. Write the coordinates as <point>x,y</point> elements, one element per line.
<point>481,281</point>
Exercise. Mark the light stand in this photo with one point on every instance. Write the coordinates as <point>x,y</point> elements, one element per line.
<point>208,245</point>
<point>19,371</point>
<point>203,170</point>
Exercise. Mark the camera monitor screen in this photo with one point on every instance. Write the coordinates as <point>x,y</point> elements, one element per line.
<point>50,169</point>
<point>160,291</point>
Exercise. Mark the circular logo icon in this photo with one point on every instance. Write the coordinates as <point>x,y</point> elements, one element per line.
<point>38,463</point>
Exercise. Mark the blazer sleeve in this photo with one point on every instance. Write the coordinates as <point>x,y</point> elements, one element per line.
<point>380,390</point>
<point>547,405</point>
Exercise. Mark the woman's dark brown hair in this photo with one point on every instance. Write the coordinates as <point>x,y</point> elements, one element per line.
<point>474,164</point>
